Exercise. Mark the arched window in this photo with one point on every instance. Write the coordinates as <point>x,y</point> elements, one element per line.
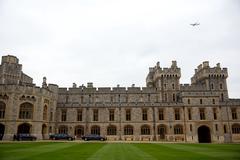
<point>95,130</point>
<point>112,130</point>
<point>178,129</point>
<point>63,129</point>
<point>128,130</point>
<point>26,111</point>
<point>45,113</point>
<point>236,128</point>
<point>145,130</point>
<point>79,131</point>
<point>2,110</point>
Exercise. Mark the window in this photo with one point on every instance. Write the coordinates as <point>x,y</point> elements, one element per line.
<point>63,130</point>
<point>51,116</point>
<point>144,114</point>
<point>165,97</point>
<point>161,129</point>
<point>225,128</point>
<point>26,111</point>
<point>234,113</point>
<point>82,99</point>
<point>79,115</point>
<point>191,127</point>
<point>178,129</point>
<point>111,115</point>
<point>174,97</point>
<point>145,130</point>
<point>45,113</point>
<point>111,130</point>
<point>222,98</point>
<point>177,114</point>
<point>173,86</point>
<point>149,97</point>
<point>221,86</point>
<point>189,101</point>
<point>2,110</point>
<point>95,115</point>
<point>200,101</point>
<point>64,115</point>
<point>202,113</point>
<point>216,127</point>
<point>95,130</point>
<point>236,129</point>
<point>161,114</point>
<point>128,130</point>
<point>213,101</point>
<point>128,115</point>
<point>189,114</point>
<point>214,113</point>
<point>212,87</point>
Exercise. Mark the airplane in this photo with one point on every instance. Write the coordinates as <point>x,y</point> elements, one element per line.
<point>195,24</point>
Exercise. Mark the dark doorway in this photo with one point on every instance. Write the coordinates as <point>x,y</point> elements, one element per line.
<point>24,128</point>
<point>204,135</point>
<point>44,131</point>
<point>2,128</point>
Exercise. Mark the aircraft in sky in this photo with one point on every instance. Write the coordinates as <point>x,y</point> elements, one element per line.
<point>195,24</point>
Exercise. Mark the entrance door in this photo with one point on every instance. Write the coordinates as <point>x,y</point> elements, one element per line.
<point>204,135</point>
<point>24,128</point>
<point>2,128</point>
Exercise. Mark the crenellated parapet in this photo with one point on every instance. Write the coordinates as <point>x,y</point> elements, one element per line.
<point>205,71</point>
<point>155,73</point>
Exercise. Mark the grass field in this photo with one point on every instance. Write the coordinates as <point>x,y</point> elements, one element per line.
<point>118,151</point>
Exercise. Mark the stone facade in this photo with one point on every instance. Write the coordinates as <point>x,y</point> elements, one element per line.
<point>164,110</point>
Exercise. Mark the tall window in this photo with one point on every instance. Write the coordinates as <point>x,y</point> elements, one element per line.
<point>191,127</point>
<point>178,129</point>
<point>111,115</point>
<point>221,86</point>
<point>2,110</point>
<point>145,130</point>
<point>79,115</point>
<point>225,128</point>
<point>177,114</point>
<point>200,101</point>
<point>112,130</point>
<point>202,114</point>
<point>165,97</point>
<point>216,127</point>
<point>45,113</point>
<point>189,114</point>
<point>95,115</point>
<point>128,114</point>
<point>144,114</point>
<point>214,113</point>
<point>236,129</point>
<point>234,113</point>
<point>26,111</point>
<point>213,101</point>
<point>161,114</point>
<point>174,97</point>
<point>188,101</point>
<point>173,86</point>
<point>51,116</point>
<point>64,115</point>
<point>128,130</point>
<point>95,130</point>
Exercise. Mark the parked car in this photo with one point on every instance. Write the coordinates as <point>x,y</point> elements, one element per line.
<point>93,137</point>
<point>24,137</point>
<point>61,136</point>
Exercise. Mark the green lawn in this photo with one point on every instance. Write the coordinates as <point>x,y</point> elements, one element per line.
<point>118,151</point>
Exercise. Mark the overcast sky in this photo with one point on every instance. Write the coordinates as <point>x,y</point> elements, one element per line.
<point>110,42</point>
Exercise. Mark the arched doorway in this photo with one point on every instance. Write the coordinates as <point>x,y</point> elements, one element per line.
<point>24,128</point>
<point>204,135</point>
<point>2,128</point>
<point>44,131</point>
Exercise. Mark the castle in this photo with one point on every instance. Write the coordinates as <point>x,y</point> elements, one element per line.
<point>164,110</point>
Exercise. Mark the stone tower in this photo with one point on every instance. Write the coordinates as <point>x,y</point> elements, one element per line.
<point>166,81</point>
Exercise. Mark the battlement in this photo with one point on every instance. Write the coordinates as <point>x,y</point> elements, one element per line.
<point>205,71</point>
<point>10,59</point>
